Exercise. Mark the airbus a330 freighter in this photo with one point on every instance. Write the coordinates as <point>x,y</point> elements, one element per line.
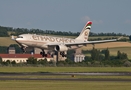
<point>60,44</point>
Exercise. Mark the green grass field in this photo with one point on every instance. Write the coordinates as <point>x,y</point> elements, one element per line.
<point>6,41</point>
<point>113,51</point>
<point>65,69</point>
<point>63,85</point>
<point>66,77</point>
<point>113,47</point>
<point>127,50</point>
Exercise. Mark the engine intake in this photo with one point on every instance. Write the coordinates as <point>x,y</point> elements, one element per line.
<point>61,48</point>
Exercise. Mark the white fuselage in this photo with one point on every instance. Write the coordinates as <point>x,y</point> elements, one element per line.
<point>43,42</point>
<point>58,43</point>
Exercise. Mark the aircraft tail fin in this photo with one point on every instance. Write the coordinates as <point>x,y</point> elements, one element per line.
<point>85,32</point>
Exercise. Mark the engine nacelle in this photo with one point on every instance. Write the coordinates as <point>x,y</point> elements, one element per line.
<point>61,48</point>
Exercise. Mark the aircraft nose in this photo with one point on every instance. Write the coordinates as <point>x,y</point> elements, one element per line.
<point>17,39</point>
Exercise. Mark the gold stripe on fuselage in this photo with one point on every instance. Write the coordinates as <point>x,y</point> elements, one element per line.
<point>52,39</point>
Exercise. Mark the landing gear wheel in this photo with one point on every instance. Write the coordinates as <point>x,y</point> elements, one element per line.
<point>43,53</point>
<point>63,54</point>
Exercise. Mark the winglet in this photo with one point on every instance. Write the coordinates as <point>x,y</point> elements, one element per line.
<point>12,37</point>
<point>120,38</point>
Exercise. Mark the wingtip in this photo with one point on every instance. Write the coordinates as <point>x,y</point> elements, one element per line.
<point>120,38</point>
<point>12,37</point>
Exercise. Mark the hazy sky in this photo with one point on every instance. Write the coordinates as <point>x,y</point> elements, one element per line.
<point>67,15</point>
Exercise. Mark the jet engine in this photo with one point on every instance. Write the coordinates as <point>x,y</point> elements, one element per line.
<point>61,48</point>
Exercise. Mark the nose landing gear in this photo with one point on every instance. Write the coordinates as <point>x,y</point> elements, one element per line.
<point>23,49</point>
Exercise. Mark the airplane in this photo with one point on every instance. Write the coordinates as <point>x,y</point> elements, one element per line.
<point>59,44</point>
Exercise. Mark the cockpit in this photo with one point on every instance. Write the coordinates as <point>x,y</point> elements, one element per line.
<point>20,36</point>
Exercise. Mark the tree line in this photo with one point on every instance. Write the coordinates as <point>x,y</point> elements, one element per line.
<point>96,58</point>
<point>7,31</point>
<point>4,49</point>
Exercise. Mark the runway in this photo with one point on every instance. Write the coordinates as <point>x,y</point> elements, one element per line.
<point>68,73</point>
<point>58,79</point>
<point>72,76</point>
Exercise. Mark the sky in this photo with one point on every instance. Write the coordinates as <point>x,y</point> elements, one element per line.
<point>67,15</point>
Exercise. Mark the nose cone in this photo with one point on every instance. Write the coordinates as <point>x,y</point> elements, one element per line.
<point>18,40</point>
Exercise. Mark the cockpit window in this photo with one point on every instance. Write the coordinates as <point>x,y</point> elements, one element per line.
<point>20,36</point>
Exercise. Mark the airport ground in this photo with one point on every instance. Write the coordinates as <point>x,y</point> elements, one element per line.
<point>67,82</point>
<point>65,69</point>
<point>65,78</point>
<point>64,85</point>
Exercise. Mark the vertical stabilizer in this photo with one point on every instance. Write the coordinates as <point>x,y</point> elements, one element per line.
<point>85,32</point>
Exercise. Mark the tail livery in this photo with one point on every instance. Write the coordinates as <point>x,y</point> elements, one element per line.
<point>88,25</point>
<point>85,32</point>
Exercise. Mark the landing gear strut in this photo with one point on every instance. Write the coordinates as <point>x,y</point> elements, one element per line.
<point>43,53</point>
<point>23,49</point>
<point>93,45</point>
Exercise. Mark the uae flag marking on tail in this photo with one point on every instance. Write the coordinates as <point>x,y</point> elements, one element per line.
<point>88,26</point>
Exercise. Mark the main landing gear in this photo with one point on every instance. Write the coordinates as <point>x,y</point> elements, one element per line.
<point>43,53</point>
<point>63,54</point>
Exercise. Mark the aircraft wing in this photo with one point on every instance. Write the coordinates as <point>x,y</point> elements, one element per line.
<point>85,43</point>
<point>92,42</point>
<point>95,42</point>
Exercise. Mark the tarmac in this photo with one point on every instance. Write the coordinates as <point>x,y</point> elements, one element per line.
<point>14,76</point>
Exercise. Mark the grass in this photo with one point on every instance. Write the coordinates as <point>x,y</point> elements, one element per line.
<point>6,41</point>
<point>63,85</point>
<point>113,47</point>
<point>65,77</point>
<point>69,85</point>
<point>108,45</point>
<point>65,69</point>
<point>113,51</point>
